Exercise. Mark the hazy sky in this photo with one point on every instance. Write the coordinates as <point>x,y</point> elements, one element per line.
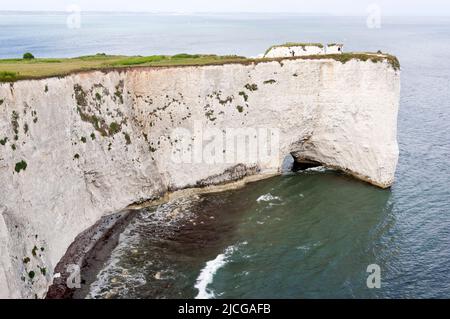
<point>340,7</point>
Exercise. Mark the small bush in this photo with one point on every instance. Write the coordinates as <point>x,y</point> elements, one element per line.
<point>22,165</point>
<point>127,138</point>
<point>251,87</point>
<point>244,95</point>
<point>28,56</point>
<point>114,128</point>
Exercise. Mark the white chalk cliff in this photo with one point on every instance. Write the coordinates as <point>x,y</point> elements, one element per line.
<point>79,147</point>
<point>302,49</point>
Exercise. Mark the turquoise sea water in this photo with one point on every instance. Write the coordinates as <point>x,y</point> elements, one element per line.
<point>303,235</point>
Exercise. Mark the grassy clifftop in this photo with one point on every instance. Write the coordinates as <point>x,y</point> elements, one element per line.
<point>20,69</point>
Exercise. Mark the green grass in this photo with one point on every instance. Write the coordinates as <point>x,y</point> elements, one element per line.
<point>18,69</point>
<point>346,57</point>
<point>139,60</point>
<point>8,76</point>
<point>186,56</point>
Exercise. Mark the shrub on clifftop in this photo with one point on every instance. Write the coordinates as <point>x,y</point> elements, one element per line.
<point>28,56</point>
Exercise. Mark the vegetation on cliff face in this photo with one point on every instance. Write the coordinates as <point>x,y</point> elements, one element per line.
<point>91,113</point>
<point>22,165</point>
<point>251,87</point>
<point>271,81</point>
<point>19,69</point>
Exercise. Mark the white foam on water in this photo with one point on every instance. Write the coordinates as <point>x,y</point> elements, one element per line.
<point>267,198</point>
<point>206,276</point>
<point>165,215</point>
<point>320,169</point>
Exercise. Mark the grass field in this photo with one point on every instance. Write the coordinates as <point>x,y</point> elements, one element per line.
<point>19,69</point>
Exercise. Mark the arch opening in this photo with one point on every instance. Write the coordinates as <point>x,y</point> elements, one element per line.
<point>290,164</point>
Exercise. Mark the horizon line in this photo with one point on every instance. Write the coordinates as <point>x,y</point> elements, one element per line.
<point>220,12</point>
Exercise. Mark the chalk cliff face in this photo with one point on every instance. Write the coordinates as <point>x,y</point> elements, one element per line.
<point>76,148</point>
<point>294,50</point>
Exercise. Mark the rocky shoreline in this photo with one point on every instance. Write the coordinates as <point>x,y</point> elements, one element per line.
<point>93,247</point>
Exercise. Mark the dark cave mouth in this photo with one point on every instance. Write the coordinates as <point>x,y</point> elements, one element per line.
<point>290,164</point>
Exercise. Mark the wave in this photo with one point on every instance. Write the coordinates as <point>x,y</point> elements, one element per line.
<point>206,276</point>
<point>114,280</point>
<point>267,198</point>
<point>320,169</point>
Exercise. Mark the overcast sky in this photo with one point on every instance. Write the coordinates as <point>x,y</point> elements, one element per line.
<point>336,7</point>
